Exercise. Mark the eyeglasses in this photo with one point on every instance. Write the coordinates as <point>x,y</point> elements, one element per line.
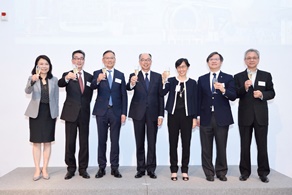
<point>182,67</point>
<point>214,59</point>
<point>145,60</point>
<point>81,59</point>
<point>253,58</point>
<point>109,58</point>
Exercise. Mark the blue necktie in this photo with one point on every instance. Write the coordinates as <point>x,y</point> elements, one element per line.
<point>213,81</point>
<point>147,81</point>
<point>110,81</point>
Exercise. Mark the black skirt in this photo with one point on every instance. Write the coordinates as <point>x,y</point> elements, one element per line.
<point>42,128</point>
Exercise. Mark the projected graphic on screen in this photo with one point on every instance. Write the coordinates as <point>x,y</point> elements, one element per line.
<point>155,22</point>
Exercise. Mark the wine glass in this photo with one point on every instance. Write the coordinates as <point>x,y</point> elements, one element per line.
<point>214,80</point>
<point>136,72</point>
<point>75,70</point>
<point>104,72</point>
<point>167,73</point>
<point>37,70</point>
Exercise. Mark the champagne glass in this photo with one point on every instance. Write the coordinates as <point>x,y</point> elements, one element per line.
<point>167,73</point>
<point>136,72</point>
<point>215,80</point>
<point>104,72</point>
<point>75,70</point>
<point>37,70</point>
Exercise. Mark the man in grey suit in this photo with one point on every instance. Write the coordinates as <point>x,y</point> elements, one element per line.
<point>254,87</point>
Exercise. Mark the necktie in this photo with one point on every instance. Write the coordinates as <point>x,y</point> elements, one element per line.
<point>213,81</point>
<point>147,81</point>
<point>110,81</point>
<point>80,82</point>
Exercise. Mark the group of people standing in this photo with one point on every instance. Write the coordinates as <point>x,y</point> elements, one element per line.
<point>189,104</point>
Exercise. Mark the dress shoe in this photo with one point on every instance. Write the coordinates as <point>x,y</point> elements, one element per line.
<point>185,177</point>
<point>139,174</point>
<point>69,175</point>
<point>152,175</point>
<point>210,178</point>
<point>116,173</point>
<point>85,175</point>
<point>100,173</point>
<point>243,178</point>
<point>173,176</point>
<point>222,177</point>
<point>264,179</point>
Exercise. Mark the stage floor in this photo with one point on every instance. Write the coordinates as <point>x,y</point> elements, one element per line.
<point>19,181</point>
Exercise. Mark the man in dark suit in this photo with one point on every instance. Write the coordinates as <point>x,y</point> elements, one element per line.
<point>76,113</point>
<point>146,109</point>
<point>254,87</point>
<point>215,89</point>
<point>110,110</point>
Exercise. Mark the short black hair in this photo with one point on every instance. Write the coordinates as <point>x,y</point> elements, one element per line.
<point>108,51</point>
<point>214,53</point>
<point>78,51</point>
<point>180,61</point>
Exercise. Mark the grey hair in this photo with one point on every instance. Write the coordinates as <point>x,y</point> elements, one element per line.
<point>252,50</point>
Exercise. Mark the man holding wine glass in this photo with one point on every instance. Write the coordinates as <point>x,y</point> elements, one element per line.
<point>254,88</point>
<point>215,89</point>
<point>147,111</point>
<point>110,110</point>
<point>76,113</point>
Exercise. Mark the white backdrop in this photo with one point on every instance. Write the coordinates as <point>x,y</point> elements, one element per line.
<point>168,29</point>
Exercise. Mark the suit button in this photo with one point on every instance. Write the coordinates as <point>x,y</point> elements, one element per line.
<point>213,98</point>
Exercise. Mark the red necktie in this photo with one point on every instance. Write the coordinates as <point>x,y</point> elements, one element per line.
<point>80,82</point>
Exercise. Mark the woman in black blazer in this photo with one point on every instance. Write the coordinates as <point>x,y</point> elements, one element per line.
<point>181,106</point>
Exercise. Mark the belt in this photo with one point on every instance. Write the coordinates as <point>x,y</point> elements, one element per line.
<point>109,107</point>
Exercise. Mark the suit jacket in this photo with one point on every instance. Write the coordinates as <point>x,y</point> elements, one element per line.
<point>143,98</point>
<point>118,93</point>
<point>33,107</point>
<point>75,100</point>
<point>191,94</point>
<point>220,102</point>
<point>250,107</point>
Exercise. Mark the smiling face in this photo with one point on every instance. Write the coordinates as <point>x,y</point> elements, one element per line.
<point>145,62</point>
<point>43,66</point>
<point>182,69</point>
<point>251,60</point>
<point>214,63</point>
<point>109,60</point>
<point>78,60</point>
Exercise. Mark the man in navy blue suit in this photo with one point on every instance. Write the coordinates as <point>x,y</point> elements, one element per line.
<point>110,110</point>
<point>215,89</point>
<point>254,88</point>
<point>146,110</point>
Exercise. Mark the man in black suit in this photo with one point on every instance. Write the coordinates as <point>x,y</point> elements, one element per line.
<point>76,113</point>
<point>254,87</point>
<point>110,110</point>
<point>146,109</point>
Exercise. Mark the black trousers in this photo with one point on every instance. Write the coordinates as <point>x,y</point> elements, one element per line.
<point>146,127</point>
<point>70,145</point>
<point>179,123</point>
<point>261,134</point>
<point>207,135</point>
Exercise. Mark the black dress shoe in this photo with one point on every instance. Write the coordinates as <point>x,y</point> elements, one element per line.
<point>264,179</point>
<point>69,175</point>
<point>139,174</point>
<point>85,175</point>
<point>210,178</point>
<point>152,175</point>
<point>116,173</point>
<point>243,178</point>
<point>222,178</point>
<point>100,173</point>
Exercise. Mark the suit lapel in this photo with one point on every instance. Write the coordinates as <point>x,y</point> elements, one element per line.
<point>142,80</point>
